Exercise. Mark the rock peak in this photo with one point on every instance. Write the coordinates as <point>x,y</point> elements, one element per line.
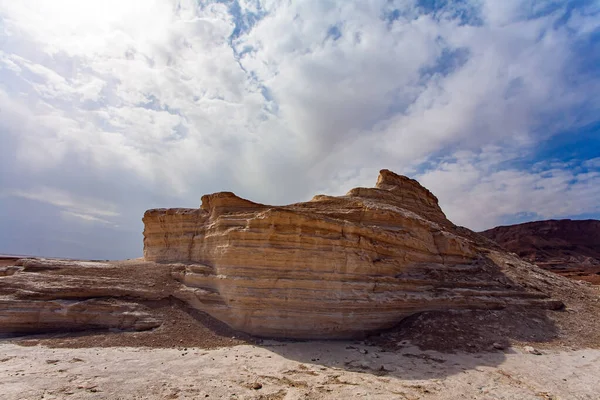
<point>391,181</point>
<point>225,199</point>
<point>407,193</point>
<point>387,177</point>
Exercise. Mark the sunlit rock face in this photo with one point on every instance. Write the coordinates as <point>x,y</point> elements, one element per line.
<point>332,267</point>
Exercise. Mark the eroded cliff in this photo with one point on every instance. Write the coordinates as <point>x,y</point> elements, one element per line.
<point>332,267</point>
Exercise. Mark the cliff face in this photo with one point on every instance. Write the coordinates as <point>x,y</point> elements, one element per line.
<point>332,267</point>
<point>570,248</point>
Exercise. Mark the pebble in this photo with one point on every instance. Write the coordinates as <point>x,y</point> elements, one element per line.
<point>498,346</point>
<point>532,350</point>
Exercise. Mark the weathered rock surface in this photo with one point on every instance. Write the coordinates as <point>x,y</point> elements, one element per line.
<point>332,267</point>
<point>39,295</point>
<point>72,315</point>
<point>568,247</point>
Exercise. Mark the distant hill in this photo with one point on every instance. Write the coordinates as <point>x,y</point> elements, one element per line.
<point>568,247</point>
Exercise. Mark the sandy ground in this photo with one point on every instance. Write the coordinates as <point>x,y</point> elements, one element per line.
<point>295,370</point>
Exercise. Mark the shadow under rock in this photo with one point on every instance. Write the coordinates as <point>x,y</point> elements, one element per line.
<point>429,345</point>
<point>471,331</point>
<point>407,363</point>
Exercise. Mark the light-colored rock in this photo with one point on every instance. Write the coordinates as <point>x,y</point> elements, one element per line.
<point>22,316</point>
<point>498,346</point>
<point>532,350</point>
<point>41,295</point>
<point>332,267</point>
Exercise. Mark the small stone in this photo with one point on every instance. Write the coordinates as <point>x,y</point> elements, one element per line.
<point>256,385</point>
<point>387,368</point>
<point>498,346</point>
<point>532,350</point>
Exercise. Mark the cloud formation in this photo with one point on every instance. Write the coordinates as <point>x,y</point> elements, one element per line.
<point>110,108</point>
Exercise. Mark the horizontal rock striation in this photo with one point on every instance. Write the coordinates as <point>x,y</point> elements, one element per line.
<point>41,295</point>
<point>30,316</point>
<point>332,267</point>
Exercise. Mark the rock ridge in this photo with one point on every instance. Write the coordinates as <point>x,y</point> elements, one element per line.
<point>568,247</point>
<point>331,267</point>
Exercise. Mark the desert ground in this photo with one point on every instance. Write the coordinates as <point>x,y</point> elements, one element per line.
<point>295,370</point>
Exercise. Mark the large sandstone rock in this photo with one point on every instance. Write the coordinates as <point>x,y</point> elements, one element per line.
<point>568,247</point>
<point>332,267</point>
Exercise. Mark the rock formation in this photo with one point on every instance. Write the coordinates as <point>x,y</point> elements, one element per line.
<point>570,248</point>
<point>332,267</point>
<point>38,295</point>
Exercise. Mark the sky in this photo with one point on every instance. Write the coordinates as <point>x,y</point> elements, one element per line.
<point>109,108</point>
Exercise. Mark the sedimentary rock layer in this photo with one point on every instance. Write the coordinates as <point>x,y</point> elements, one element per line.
<point>38,295</point>
<point>332,267</point>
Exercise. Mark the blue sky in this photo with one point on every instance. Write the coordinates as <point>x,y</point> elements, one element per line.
<point>110,108</point>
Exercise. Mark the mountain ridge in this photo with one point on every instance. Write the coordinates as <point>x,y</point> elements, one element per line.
<point>565,246</point>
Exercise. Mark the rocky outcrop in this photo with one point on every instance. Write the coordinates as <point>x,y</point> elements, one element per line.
<point>39,295</point>
<point>32,316</point>
<point>331,267</point>
<point>568,247</point>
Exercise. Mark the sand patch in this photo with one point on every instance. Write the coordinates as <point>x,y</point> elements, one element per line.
<point>300,370</point>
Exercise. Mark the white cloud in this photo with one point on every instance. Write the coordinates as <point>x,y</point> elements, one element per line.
<point>476,191</point>
<point>86,217</point>
<point>593,163</point>
<point>164,100</point>
<point>89,209</point>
